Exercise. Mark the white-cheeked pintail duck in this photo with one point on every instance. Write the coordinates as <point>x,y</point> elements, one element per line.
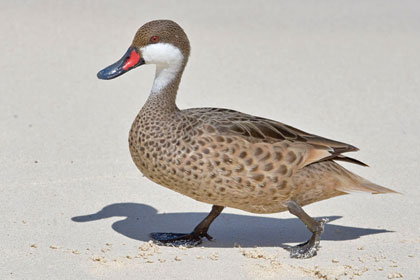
<point>224,157</point>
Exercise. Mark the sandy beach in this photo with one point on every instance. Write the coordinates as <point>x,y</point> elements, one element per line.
<point>74,206</point>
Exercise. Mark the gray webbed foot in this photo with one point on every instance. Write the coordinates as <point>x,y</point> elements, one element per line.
<point>309,248</point>
<point>305,250</point>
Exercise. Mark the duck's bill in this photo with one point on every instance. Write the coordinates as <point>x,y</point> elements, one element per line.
<point>131,59</point>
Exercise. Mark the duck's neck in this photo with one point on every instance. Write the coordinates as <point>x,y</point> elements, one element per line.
<point>165,87</point>
<point>170,64</point>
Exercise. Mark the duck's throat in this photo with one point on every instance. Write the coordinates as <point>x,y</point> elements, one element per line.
<point>167,77</point>
<point>170,63</point>
<point>164,90</point>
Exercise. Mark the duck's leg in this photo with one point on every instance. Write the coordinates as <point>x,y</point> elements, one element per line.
<point>310,247</point>
<point>192,239</point>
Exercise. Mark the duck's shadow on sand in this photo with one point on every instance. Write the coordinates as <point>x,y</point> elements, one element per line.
<point>248,231</point>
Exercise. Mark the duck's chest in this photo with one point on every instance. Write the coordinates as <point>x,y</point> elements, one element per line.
<point>156,146</point>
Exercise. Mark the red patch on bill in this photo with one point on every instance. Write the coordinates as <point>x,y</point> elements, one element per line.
<point>132,60</point>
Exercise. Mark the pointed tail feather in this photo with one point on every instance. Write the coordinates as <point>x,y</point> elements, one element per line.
<point>365,186</point>
<point>376,189</point>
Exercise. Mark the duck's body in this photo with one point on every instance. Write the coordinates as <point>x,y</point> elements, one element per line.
<point>224,157</point>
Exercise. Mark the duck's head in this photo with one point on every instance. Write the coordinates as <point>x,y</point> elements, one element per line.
<point>160,42</point>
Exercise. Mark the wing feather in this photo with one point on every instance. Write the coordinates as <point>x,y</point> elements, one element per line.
<point>257,129</point>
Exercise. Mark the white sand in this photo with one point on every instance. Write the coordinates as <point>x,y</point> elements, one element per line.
<point>345,70</point>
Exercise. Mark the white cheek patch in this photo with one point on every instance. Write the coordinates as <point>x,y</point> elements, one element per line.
<point>162,53</point>
<point>168,60</point>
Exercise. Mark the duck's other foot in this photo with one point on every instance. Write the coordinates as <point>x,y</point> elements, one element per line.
<point>179,239</point>
<point>309,248</point>
<point>303,251</point>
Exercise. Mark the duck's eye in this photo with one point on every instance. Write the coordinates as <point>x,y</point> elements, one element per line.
<point>154,39</point>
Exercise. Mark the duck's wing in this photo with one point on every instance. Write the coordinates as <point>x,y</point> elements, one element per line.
<point>256,129</point>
